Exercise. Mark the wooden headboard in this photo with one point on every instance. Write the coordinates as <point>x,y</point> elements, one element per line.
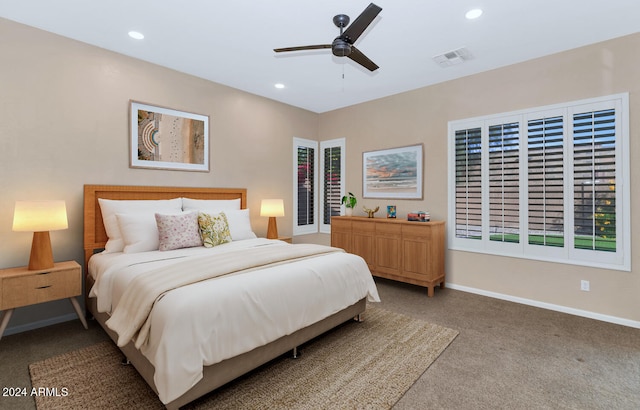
<point>95,236</point>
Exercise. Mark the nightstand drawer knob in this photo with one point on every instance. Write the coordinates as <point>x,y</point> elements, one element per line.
<point>43,287</point>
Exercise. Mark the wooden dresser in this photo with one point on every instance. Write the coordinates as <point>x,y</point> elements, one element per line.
<point>411,252</point>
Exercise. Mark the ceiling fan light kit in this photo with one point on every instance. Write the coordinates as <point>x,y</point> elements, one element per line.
<point>342,46</point>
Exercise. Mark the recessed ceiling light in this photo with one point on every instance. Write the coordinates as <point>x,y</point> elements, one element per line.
<point>279,85</point>
<point>136,35</point>
<point>473,14</point>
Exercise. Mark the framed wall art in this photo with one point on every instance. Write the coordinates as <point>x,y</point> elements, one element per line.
<point>164,138</point>
<point>393,173</point>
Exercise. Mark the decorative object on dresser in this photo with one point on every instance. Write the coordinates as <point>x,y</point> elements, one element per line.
<point>418,216</point>
<point>40,217</point>
<point>349,201</point>
<point>391,211</point>
<point>370,212</point>
<point>395,249</point>
<point>272,208</point>
<point>393,173</point>
<point>23,287</point>
<point>163,138</point>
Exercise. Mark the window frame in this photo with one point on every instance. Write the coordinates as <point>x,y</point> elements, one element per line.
<point>318,224</point>
<point>618,260</point>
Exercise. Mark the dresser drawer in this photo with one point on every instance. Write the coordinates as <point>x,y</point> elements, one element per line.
<point>40,287</point>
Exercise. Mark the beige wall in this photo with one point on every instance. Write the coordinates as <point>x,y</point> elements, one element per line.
<point>421,116</point>
<point>64,108</point>
<point>63,124</point>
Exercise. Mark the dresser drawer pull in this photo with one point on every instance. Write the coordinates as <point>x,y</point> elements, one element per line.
<point>43,287</point>
<point>44,273</point>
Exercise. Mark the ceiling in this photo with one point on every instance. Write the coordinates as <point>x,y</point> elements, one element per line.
<point>232,42</point>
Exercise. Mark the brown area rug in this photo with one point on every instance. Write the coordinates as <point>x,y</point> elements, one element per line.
<point>355,366</point>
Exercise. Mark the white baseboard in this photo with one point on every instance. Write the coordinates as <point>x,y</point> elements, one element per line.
<point>549,306</point>
<point>40,323</point>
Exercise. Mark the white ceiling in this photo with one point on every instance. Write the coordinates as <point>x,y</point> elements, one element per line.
<point>231,42</point>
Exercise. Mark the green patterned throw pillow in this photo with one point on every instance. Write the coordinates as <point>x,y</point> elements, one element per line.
<point>214,229</point>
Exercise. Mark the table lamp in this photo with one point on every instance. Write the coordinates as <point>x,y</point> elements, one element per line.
<point>40,217</point>
<point>272,208</point>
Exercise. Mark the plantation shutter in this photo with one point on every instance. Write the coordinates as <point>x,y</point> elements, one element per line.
<point>305,185</point>
<point>557,174</point>
<point>468,184</point>
<point>504,186</point>
<point>594,176</point>
<point>332,183</point>
<point>546,181</point>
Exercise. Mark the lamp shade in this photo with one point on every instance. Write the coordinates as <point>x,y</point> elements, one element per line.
<point>272,207</point>
<point>39,216</point>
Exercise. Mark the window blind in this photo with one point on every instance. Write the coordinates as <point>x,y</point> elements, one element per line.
<point>545,152</point>
<point>468,194</point>
<point>332,183</point>
<point>594,176</point>
<point>305,185</point>
<point>555,174</point>
<point>504,184</point>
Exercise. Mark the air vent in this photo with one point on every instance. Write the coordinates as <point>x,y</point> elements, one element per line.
<point>454,57</point>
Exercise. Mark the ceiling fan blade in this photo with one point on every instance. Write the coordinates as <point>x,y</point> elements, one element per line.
<point>361,23</point>
<point>316,47</point>
<point>357,56</point>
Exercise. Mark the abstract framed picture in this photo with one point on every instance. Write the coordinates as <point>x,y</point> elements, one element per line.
<point>164,138</point>
<point>393,173</point>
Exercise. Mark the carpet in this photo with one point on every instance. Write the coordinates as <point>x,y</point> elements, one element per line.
<point>355,366</point>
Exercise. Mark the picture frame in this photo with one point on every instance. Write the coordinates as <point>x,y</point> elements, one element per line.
<point>393,173</point>
<point>391,211</point>
<point>164,138</point>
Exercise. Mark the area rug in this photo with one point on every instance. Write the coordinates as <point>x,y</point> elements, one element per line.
<point>355,366</point>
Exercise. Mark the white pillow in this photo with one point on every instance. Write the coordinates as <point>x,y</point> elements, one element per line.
<point>218,205</point>
<point>139,232</point>
<point>239,223</point>
<point>111,207</point>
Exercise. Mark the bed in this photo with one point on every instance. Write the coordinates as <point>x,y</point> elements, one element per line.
<point>286,294</point>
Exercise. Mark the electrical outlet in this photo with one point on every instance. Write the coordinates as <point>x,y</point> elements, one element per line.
<point>584,285</point>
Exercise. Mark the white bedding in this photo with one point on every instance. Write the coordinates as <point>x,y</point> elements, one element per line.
<point>210,321</point>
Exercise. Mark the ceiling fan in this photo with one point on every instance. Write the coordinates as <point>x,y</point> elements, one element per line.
<point>343,46</point>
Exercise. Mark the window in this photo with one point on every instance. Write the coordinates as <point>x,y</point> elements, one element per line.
<point>332,181</point>
<point>314,206</point>
<point>548,183</point>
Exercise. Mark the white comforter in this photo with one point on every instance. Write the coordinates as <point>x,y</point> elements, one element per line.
<point>210,321</point>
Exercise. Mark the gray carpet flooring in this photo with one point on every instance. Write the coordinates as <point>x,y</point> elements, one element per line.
<point>507,356</point>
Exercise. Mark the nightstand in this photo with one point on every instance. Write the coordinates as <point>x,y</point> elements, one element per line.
<point>23,287</point>
<point>287,239</point>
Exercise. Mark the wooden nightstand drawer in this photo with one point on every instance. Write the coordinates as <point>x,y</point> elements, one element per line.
<point>22,287</point>
<point>41,287</point>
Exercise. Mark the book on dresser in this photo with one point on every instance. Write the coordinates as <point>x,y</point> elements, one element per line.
<point>397,249</point>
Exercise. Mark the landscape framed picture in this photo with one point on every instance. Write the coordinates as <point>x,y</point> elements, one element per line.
<point>393,173</point>
<point>164,138</point>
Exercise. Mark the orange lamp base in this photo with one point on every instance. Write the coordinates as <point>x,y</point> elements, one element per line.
<point>272,228</point>
<point>41,254</point>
